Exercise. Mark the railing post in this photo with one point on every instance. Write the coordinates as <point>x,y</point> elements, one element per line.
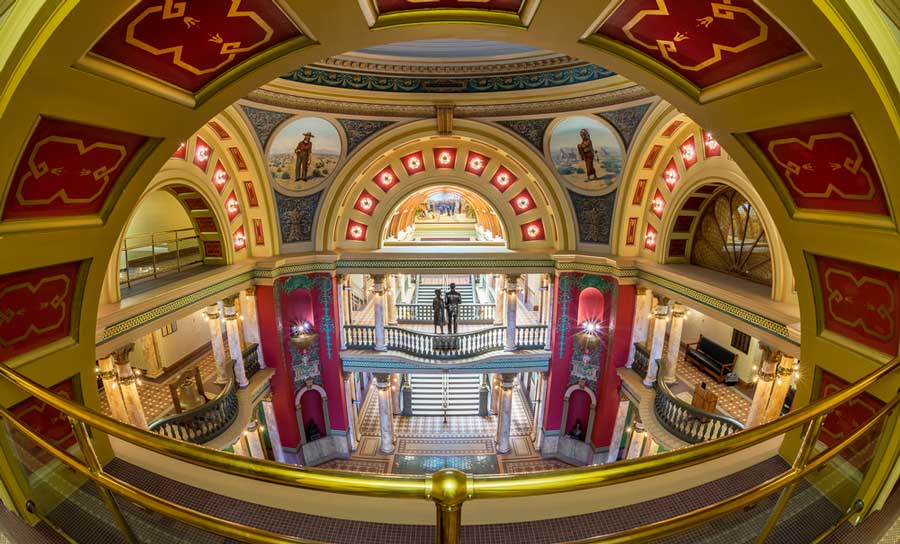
<point>153,253</point>
<point>449,489</point>
<point>93,463</point>
<point>807,446</point>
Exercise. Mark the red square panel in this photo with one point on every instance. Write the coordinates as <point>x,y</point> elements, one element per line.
<point>711,145</point>
<point>476,163</point>
<point>639,192</point>
<point>650,161</point>
<point>688,153</point>
<point>220,177</point>
<point>388,6</point>
<point>683,223</point>
<point>181,152</point>
<point>658,204</point>
<point>503,178</point>
<point>705,41</point>
<point>677,247</point>
<point>825,165</point>
<point>356,231</point>
<point>413,163</point>
<point>522,202</point>
<point>240,239</point>
<point>533,230</point>
<point>258,232</point>
<point>189,44</point>
<point>670,175</point>
<point>68,169</point>
<point>206,224</point>
<point>252,200</point>
<point>232,206</point>
<point>847,418</point>
<point>36,307</point>
<point>366,203</point>
<point>650,238</point>
<point>48,422</point>
<point>444,157</point>
<point>386,179</point>
<point>212,249</point>
<point>673,126</point>
<point>202,154</point>
<point>860,302</point>
<point>238,158</point>
<point>195,204</point>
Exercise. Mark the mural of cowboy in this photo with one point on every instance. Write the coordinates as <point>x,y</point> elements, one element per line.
<point>303,152</point>
<point>586,152</point>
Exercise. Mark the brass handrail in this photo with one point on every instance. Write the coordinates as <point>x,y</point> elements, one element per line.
<point>449,489</point>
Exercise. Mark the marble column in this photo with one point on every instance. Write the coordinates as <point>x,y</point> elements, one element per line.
<point>385,419</point>
<point>674,343</point>
<point>390,295</point>
<point>378,306</point>
<point>641,320</point>
<point>545,300</point>
<point>272,427</point>
<point>111,388</point>
<point>250,321</point>
<point>406,390</point>
<point>512,304</point>
<point>504,418</point>
<point>352,418</point>
<point>128,382</point>
<point>650,447</point>
<point>234,341</point>
<point>218,344</point>
<point>240,447</point>
<point>659,338</point>
<point>765,380</point>
<point>499,300</point>
<point>539,409</point>
<point>618,431</point>
<point>254,444</point>
<point>395,394</point>
<point>636,446</point>
<point>147,346</point>
<point>495,393</point>
<point>783,375</point>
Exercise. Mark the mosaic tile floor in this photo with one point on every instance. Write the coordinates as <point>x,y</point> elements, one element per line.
<point>470,464</point>
<point>156,398</point>
<point>732,401</point>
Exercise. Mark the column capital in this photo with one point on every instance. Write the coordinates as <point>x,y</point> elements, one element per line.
<point>382,380</point>
<point>507,381</point>
<point>252,426</point>
<point>212,311</point>
<point>641,291</point>
<point>787,366</point>
<point>250,291</point>
<point>678,310</point>
<point>229,301</point>
<point>120,356</point>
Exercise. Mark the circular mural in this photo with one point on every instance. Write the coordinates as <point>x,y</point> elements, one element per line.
<point>586,153</point>
<point>304,153</point>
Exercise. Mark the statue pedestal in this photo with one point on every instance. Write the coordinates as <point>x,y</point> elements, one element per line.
<point>443,343</point>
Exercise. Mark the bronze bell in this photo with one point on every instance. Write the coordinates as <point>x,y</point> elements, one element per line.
<point>188,395</point>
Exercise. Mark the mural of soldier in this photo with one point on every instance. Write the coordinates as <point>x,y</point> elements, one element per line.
<point>304,154</point>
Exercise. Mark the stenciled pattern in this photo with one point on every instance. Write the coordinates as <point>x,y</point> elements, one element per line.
<point>825,165</point>
<point>532,130</point>
<point>860,302</point>
<point>388,6</point>
<point>564,298</point>
<point>481,84</point>
<point>189,44</point>
<point>359,130</point>
<point>847,418</point>
<point>296,216</point>
<point>264,122</point>
<point>68,169</point>
<point>36,307</point>
<point>706,41</point>
<point>626,120</point>
<point>594,215</point>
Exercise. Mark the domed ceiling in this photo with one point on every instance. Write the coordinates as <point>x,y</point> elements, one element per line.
<point>448,66</point>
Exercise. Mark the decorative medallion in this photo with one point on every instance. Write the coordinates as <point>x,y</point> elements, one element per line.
<point>68,169</point>
<point>706,41</point>
<point>202,154</point>
<point>658,204</point>
<point>522,202</point>
<point>36,307</point>
<point>366,203</point>
<point>688,153</point>
<point>825,165</point>
<point>386,178</point>
<point>710,145</point>
<point>220,177</point>
<point>413,163</point>
<point>296,216</point>
<point>304,153</point>
<point>444,158</point>
<point>533,230</point>
<point>586,153</point>
<point>189,44</point>
<point>594,214</point>
<point>356,231</point>
<point>650,238</point>
<point>240,239</point>
<point>503,178</point>
<point>232,206</point>
<point>670,175</point>
<point>860,302</point>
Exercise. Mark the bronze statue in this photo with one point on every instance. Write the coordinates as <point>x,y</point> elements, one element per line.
<point>437,307</point>
<point>452,301</point>
<point>586,152</point>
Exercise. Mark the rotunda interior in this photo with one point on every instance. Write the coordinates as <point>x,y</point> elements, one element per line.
<point>275,267</point>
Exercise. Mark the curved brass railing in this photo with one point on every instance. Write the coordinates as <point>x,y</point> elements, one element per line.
<point>687,422</point>
<point>205,422</point>
<point>449,488</point>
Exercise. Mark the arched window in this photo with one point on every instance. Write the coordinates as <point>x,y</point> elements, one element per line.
<point>730,238</point>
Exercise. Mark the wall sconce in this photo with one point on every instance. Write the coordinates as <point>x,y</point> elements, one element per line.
<point>302,335</point>
<point>588,337</point>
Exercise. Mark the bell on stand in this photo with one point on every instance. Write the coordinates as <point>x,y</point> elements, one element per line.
<point>188,395</point>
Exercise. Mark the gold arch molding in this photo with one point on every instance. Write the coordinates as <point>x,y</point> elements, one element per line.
<point>480,159</point>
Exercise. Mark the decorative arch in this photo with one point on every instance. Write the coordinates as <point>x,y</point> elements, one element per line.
<point>478,158</point>
<point>312,387</point>
<point>581,387</point>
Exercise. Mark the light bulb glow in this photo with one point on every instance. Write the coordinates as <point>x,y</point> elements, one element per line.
<point>413,163</point>
<point>232,205</point>
<point>444,158</point>
<point>387,178</point>
<point>671,177</point>
<point>366,203</point>
<point>533,231</point>
<point>522,202</point>
<point>476,163</point>
<point>202,153</point>
<point>356,231</point>
<point>503,178</point>
<point>688,152</point>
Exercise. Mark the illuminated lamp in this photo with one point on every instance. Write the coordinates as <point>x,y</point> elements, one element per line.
<point>201,154</point>
<point>533,230</point>
<point>502,179</point>
<point>650,238</point>
<point>588,336</point>
<point>240,239</point>
<point>475,163</point>
<point>413,163</point>
<point>385,179</point>
<point>689,153</point>
<point>522,202</point>
<point>444,157</point>
<point>670,175</point>
<point>302,335</point>
<point>356,231</point>
<point>181,152</point>
<point>658,204</point>
<point>220,177</point>
<point>713,149</point>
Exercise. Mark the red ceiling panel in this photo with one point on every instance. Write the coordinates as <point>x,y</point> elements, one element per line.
<point>388,6</point>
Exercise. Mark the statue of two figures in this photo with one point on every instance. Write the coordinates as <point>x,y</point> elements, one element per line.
<point>445,311</point>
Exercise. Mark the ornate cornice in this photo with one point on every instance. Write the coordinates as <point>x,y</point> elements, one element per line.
<point>344,107</point>
<point>386,66</point>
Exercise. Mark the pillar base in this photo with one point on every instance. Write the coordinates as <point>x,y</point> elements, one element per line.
<point>647,385</point>
<point>670,380</point>
<point>503,452</point>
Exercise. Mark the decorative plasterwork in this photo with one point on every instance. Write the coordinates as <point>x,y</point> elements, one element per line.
<point>296,216</point>
<point>385,13</point>
<point>532,130</point>
<point>264,122</point>
<point>463,110</point>
<point>431,67</point>
<point>594,215</point>
<point>626,120</point>
<point>360,130</point>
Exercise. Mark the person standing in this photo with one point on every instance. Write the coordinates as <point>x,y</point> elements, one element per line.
<point>586,152</point>
<point>303,151</point>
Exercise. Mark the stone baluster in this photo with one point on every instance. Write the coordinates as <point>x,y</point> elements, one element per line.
<point>618,430</point>
<point>636,446</point>
<point>390,294</point>
<point>499,300</point>
<point>395,394</point>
